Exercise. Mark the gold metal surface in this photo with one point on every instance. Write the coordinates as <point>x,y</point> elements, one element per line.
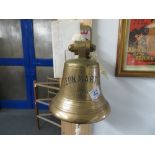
<point>79,99</point>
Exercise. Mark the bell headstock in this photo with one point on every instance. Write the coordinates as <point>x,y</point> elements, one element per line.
<point>82,48</point>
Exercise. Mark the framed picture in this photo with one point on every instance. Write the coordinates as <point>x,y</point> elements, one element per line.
<point>136,48</point>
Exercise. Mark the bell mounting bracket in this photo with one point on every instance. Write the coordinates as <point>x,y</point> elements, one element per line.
<point>82,48</point>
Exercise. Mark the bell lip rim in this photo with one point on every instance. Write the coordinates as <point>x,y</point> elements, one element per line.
<point>107,113</point>
<point>82,122</point>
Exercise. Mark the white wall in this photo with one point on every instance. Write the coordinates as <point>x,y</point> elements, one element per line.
<point>132,100</point>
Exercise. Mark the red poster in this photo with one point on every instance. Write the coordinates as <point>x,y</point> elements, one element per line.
<point>141,42</point>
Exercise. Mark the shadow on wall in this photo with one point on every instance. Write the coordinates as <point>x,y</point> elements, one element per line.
<point>106,43</point>
<point>130,110</point>
<point>124,113</point>
<point>131,99</point>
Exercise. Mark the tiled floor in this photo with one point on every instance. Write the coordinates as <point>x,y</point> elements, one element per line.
<point>22,122</point>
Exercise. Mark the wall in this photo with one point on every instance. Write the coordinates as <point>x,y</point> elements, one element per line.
<point>132,100</point>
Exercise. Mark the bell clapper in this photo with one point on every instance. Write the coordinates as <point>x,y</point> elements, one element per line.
<point>77,129</point>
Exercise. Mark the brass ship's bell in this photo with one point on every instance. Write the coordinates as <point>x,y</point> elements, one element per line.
<point>80,99</point>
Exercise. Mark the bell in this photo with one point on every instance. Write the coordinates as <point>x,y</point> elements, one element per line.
<point>79,99</point>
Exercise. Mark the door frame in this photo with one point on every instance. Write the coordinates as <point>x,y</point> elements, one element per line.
<point>29,62</point>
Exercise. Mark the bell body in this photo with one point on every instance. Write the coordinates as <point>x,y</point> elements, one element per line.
<point>80,99</point>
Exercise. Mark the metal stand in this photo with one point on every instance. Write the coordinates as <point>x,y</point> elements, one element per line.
<point>53,87</point>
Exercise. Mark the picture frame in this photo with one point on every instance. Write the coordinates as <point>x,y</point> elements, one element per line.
<point>136,48</point>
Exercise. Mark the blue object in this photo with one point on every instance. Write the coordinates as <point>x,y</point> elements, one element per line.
<point>29,62</point>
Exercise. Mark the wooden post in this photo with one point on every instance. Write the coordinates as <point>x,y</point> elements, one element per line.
<point>36,105</point>
<point>69,129</point>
